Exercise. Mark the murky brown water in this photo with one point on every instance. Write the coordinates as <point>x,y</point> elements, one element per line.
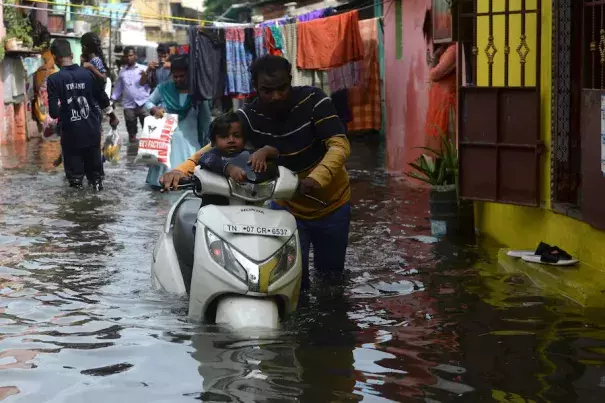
<point>79,321</point>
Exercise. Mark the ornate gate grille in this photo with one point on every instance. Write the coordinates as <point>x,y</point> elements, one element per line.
<point>593,21</point>
<point>499,117</point>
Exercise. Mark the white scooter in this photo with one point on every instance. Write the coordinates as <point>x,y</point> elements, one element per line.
<point>240,263</point>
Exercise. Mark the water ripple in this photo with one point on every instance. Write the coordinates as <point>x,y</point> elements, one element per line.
<point>418,320</point>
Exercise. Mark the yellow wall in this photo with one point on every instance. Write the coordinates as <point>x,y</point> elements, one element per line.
<point>514,37</point>
<point>524,227</point>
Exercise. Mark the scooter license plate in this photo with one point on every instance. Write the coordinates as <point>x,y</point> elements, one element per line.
<point>256,230</point>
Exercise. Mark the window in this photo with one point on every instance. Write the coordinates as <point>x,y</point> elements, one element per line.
<point>499,102</point>
<point>578,184</point>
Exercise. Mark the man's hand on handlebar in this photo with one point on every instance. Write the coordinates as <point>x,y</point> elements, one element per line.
<point>170,180</point>
<point>307,185</point>
<point>236,173</point>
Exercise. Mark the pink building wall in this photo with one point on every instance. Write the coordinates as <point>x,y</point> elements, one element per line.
<point>2,113</point>
<point>406,83</point>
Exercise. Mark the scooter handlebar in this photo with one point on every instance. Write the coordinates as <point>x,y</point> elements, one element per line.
<point>186,183</point>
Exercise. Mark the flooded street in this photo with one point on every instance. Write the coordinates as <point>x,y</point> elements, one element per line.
<point>416,321</point>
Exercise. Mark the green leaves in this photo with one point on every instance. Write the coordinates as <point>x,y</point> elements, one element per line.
<point>17,25</point>
<point>439,167</point>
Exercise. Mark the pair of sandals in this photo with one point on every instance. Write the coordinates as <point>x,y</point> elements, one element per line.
<point>545,254</point>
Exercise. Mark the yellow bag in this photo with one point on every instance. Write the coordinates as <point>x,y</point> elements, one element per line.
<point>112,145</point>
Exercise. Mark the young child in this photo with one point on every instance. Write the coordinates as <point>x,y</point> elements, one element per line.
<point>93,58</point>
<point>228,140</point>
<point>77,91</point>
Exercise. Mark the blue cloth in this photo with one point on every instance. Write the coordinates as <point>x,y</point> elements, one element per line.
<point>185,140</point>
<point>98,63</point>
<point>239,60</point>
<point>213,161</point>
<point>129,85</point>
<point>259,42</point>
<point>329,236</point>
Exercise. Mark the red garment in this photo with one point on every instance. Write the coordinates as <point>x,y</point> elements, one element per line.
<point>270,43</point>
<point>442,99</point>
<point>329,42</point>
<point>364,99</point>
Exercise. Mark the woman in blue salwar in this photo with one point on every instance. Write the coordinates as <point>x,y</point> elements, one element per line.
<point>194,121</point>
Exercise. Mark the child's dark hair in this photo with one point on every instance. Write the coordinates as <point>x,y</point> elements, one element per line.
<point>92,43</point>
<point>220,126</point>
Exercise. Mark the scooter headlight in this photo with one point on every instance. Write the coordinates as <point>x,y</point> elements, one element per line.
<point>287,259</point>
<point>222,254</point>
<point>252,192</point>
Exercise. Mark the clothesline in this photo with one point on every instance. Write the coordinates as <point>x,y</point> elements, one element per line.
<point>144,17</point>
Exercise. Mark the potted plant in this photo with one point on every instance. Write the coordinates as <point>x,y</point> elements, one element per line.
<point>449,215</point>
<point>18,28</point>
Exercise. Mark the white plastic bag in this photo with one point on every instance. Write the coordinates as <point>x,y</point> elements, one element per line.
<point>154,145</point>
<point>108,87</point>
<point>111,146</point>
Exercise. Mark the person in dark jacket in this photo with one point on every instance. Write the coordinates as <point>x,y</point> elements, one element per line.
<point>72,94</point>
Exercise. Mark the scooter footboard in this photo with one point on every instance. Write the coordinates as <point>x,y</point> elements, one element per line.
<point>240,311</point>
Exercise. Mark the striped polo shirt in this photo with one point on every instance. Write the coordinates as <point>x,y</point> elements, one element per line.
<point>300,134</point>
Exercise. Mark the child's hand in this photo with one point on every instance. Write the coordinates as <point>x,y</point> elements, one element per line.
<point>236,173</point>
<point>86,65</point>
<point>258,160</point>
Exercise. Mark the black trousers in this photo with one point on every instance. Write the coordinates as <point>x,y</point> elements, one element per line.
<point>80,162</point>
<point>132,118</point>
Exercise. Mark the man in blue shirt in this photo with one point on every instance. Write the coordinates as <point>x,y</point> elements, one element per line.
<point>72,95</point>
<point>134,94</point>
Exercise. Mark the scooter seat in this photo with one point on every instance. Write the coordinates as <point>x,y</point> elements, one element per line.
<point>184,237</point>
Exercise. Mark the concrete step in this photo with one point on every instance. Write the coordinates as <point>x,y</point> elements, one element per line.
<point>581,283</point>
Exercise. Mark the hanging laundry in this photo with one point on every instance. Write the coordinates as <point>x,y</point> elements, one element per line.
<point>299,77</point>
<point>277,22</point>
<point>239,61</point>
<point>259,42</point>
<point>220,24</point>
<point>347,76</point>
<point>340,99</point>
<point>249,42</point>
<point>206,63</point>
<point>272,43</point>
<point>329,42</point>
<point>315,14</point>
<point>364,99</point>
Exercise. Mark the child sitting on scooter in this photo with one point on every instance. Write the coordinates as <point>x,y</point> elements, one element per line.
<point>228,140</point>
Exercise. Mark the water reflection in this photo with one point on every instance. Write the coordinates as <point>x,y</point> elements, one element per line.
<point>309,360</point>
<point>416,321</point>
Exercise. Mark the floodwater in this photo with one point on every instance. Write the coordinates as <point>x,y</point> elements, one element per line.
<point>417,320</point>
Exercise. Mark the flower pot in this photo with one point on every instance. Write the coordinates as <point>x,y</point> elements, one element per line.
<point>447,216</point>
<point>11,44</point>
